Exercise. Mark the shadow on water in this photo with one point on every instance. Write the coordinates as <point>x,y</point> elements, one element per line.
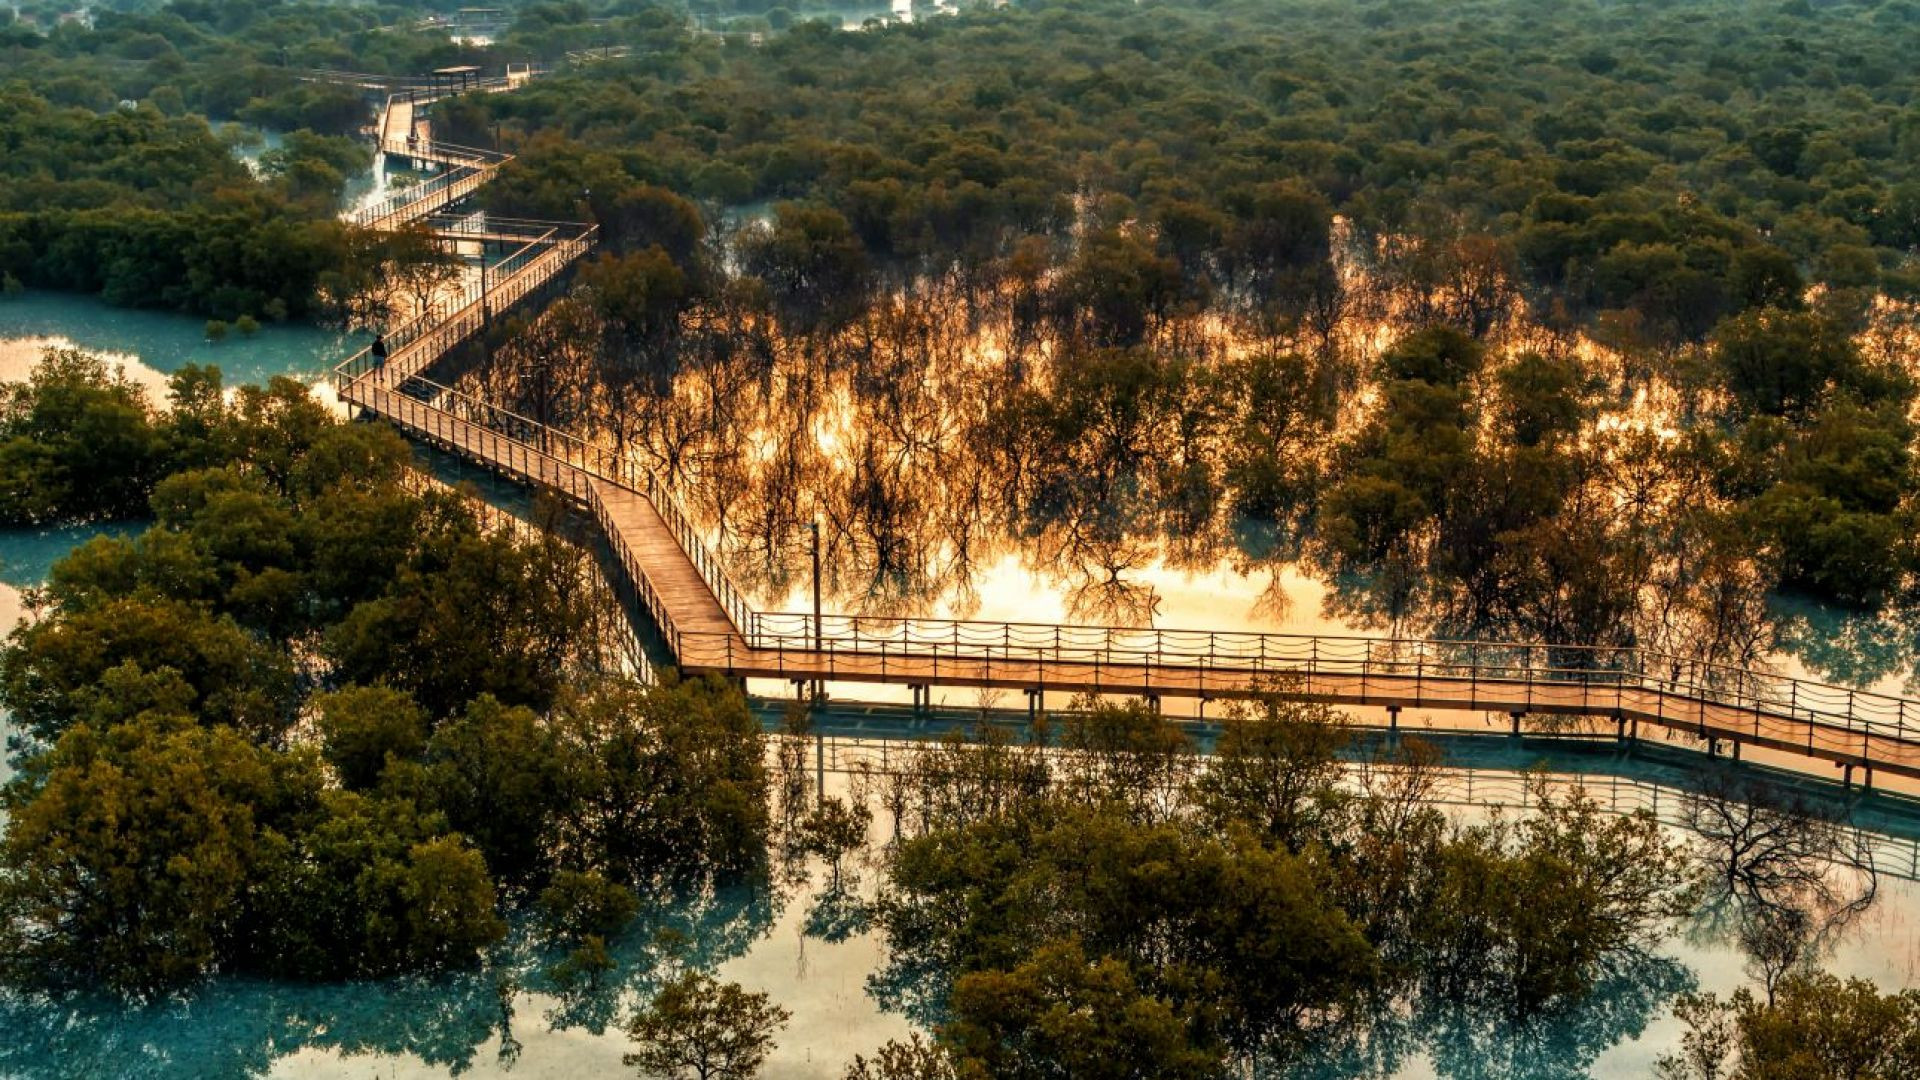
<point>239,1028</point>
<point>1852,648</point>
<point>167,341</point>
<point>27,555</point>
<point>1469,1042</point>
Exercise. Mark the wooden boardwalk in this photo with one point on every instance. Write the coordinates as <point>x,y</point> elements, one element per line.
<point>416,346</point>
<point>546,249</point>
<point>396,122</point>
<point>707,635</point>
<point>708,625</point>
<point>1892,748</point>
<point>698,613</point>
<point>404,133</point>
<point>671,588</point>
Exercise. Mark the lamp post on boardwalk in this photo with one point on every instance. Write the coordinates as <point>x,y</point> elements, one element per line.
<point>819,740</point>
<point>813,528</point>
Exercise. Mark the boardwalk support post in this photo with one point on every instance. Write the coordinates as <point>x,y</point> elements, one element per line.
<point>1517,714</point>
<point>1393,718</point>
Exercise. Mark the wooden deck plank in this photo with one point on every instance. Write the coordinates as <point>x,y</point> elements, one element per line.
<point>636,523</point>
<point>397,122</point>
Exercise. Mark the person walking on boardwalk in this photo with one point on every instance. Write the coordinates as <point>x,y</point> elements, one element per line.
<point>379,351</point>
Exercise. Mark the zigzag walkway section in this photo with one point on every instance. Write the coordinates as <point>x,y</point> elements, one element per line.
<point>541,251</point>
<point>404,134</point>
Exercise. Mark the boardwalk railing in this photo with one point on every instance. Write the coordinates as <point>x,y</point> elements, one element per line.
<point>420,200</point>
<point>1707,700</point>
<point>1602,672</point>
<point>419,88</point>
<point>414,345</point>
<point>444,153</point>
<point>465,170</point>
<point>564,451</point>
<point>363,80</point>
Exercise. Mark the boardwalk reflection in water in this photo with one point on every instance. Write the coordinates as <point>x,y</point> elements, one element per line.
<point>509,1020</point>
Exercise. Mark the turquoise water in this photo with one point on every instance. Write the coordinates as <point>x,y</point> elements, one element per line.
<point>455,1025</point>
<point>160,343</point>
<point>509,1020</point>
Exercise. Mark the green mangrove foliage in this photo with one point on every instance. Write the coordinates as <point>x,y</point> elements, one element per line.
<point>1814,1026</point>
<point>1117,905</point>
<point>1573,347</point>
<point>313,723</point>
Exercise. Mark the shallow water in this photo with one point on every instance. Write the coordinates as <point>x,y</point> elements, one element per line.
<point>150,345</point>
<point>454,1025</point>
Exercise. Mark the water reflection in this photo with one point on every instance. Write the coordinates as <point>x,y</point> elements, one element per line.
<point>1762,843</point>
<point>838,912</point>
<point>150,345</point>
<point>1462,1042</point>
<point>27,555</point>
<point>952,428</point>
<point>811,946</point>
<point>242,1028</point>
<point>1782,878</point>
<point>1465,1043</point>
<point>1876,650</point>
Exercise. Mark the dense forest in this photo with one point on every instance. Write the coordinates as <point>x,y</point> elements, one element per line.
<point>113,181</point>
<point>315,723</point>
<point>1587,323</point>
<point>1183,290</point>
<point>322,721</point>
